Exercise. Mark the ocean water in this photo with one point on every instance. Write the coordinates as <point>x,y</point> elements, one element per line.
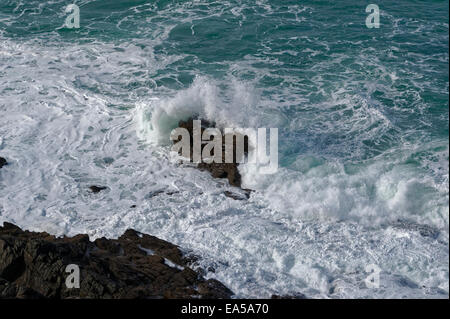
<point>362,114</point>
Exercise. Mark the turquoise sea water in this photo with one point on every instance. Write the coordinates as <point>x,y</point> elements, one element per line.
<point>363,134</point>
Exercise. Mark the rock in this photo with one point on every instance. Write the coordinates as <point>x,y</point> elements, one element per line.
<point>3,162</point>
<point>32,265</point>
<point>238,196</point>
<point>422,229</point>
<point>97,189</point>
<point>212,289</point>
<point>229,171</point>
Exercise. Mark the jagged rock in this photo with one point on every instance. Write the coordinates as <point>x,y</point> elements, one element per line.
<point>97,189</point>
<point>229,171</point>
<point>3,162</point>
<point>238,196</point>
<point>32,265</point>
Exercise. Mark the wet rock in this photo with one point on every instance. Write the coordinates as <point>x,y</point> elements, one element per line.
<point>238,196</point>
<point>422,229</point>
<point>136,265</point>
<point>108,160</point>
<point>3,162</point>
<point>160,192</point>
<point>97,189</point>
<point>233,195</point>
<point>229,171</point>
<point>212,289</point>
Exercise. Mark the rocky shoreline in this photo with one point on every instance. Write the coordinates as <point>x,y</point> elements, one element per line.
<point>33,265</point>
<point>136,265</point>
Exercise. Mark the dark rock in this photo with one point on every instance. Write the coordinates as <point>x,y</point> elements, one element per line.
<point>238,196</point>
<point>3,162</point>
<point>212,289</point>
<point>32,265</point>
<point>422,229</point>
<point>108,160</point>
<point>159,192</point>
<point>218,170</point>
<point>97,189</point>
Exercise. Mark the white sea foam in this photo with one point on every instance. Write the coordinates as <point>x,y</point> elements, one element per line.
<point>158,117</point>
<point>308,198</point>
<point>377,192</point>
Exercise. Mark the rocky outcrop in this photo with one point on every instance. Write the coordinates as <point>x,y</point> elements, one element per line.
<point>229,171</point>
<point>33,265</point>
<point>238,196</point>
<point>3,162</point>
<point>97,189</point>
